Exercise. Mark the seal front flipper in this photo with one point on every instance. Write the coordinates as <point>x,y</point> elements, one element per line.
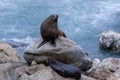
<point>41,44</point>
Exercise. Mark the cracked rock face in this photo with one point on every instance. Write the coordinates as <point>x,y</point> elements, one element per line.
<point>110,40</point>
<point>108,69</point>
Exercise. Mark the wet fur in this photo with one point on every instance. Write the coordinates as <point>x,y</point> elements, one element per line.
<point>64,69</point>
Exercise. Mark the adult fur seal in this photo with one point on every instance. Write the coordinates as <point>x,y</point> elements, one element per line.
<point>49,30</point>
<point>64,69</point>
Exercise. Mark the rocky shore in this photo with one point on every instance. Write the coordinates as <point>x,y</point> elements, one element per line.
<point>11,67</point>
<point>110,40</point>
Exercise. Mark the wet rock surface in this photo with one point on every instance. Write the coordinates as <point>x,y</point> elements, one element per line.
<point>110,40</point>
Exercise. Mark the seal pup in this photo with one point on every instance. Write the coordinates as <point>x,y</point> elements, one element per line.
<point>64,69</point>
<point>49,30</point>
<point>61,33</point>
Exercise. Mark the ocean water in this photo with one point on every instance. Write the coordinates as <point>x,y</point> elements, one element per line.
<point>81,20</point>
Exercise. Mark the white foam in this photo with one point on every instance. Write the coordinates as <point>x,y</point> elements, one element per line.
<point>8,5</point>
<point>26,40</point>
<point>108,14</point>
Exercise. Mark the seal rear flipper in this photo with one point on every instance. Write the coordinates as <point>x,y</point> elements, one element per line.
<point>41,44</point>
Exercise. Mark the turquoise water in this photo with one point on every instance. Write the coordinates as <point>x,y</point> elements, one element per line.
<point>81,20</point>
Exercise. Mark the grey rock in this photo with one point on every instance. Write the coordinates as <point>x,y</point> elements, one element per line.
<point>7,71</point>
<point>108,69</point>
<point>46,73</point>
<point>20,71</point>
<point>84,77</point>
<point>110,40</point>
<point>8,54</point>
<point>65,51</point>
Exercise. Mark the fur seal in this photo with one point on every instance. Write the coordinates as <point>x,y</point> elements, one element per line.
<point>61,33</point>
<point>49,30</point>
<point>64,69</point>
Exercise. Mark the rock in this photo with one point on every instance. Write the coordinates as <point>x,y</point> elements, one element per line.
<point>21,71</point>
<point>108,69</point>
<point>65,51</point>
<point>13,71</point>
<point>8,54</point>
<point>96,62</point>
<point>7,71</point>
<point>4,71</point>
<point>86,78</point>
<point>43,74</point>
<point>46,73</point>
<point>110,40</point>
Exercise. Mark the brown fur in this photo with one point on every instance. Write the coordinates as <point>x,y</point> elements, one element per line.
<point>61,33</point>
<point>49,30</point>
